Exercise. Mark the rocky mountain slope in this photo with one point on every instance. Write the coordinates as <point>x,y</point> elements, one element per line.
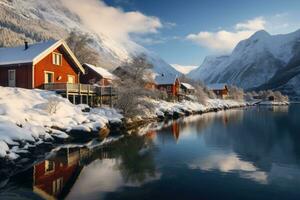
<point>38,20</point>
<point>263,61</point>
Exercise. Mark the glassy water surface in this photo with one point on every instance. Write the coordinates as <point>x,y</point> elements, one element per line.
<point>236,154</point>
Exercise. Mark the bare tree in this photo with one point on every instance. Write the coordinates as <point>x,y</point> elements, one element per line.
<point>79,44</point>
<point>274,95</point>
<point>200,94</point>
<point>236,93</point>
<point>132,95</point>
<point>138,69</point>
<point>132,99</point>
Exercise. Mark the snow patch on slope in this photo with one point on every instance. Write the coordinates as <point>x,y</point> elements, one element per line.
<point>184,69</point>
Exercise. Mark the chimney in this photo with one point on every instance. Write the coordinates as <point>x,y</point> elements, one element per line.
<point>26,45</point>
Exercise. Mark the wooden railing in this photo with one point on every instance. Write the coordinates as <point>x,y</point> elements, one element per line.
<point>80,88</point>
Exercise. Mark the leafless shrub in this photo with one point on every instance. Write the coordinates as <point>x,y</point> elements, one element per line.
<point>272,95</point>
<point>200,94</point>
<point>132,95</point>
<point>236,93</point>
<point>278,96</point>
<point>53,105</point>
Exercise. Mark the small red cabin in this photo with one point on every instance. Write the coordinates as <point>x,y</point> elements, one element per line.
<point>168,83</point>
<point>96,75</point>
<point>33,65</point>
<point>220,90</point>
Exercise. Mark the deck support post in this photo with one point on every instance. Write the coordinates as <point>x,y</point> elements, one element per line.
<point>74,99</point>
<point>92,101</point>
<point>111,101</point>
<point>87,96</point>
<point>101,96</point>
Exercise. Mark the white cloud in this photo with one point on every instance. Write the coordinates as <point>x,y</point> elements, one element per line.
<point>231,163</point>
<point>118,24</point>
<point>254,24</point>
<point>225,41</point>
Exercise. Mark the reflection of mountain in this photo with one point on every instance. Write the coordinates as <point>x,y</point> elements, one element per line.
<point>264,138</point>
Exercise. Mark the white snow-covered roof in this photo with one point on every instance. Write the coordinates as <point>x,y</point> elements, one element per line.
<point>165,79</point>
<point>101,71</point>
<point>34,53</point>
<point>16,55</point>
<point>217,86</point>
<point>187,86</point>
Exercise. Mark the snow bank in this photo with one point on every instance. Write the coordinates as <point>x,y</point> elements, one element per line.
<point>164,108</point>
<point>274,103</point>
<point>33,116</point>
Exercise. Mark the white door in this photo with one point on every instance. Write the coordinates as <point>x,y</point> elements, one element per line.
<point>71,79</point>
<point>12,78</point>
<point>49,77</point>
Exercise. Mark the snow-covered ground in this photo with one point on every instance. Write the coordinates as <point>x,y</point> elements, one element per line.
<point>29,117</point>
<point>168,108</point>
<point>274,103</point>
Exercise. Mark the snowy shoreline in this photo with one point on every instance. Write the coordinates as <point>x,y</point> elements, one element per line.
<point>29,118</point>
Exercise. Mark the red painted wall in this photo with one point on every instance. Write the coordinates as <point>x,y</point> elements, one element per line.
<point>46,64</point>
<point>23,75</point>
<point>44,181</point>
<point>173,91</point>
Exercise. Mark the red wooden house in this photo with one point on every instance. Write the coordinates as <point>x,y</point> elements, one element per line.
<point>31,66</point>
<point>96,75</point>
<point>169,83</point>
<point>220,89</point>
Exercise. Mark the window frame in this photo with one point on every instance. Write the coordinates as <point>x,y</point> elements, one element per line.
<point>48,72</point>
<point>56,55</point>
<point>74,78</point>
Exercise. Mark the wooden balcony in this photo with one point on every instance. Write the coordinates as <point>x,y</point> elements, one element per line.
<point>85,89</point>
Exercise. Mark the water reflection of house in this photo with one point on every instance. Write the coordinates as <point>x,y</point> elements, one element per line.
<point>175,130</point>
<point>151,134</point>
<point>170,132</point>
<point>54,176</point>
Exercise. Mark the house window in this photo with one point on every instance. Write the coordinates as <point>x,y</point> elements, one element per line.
<point>57,186</point>
<point>49,77</point>
<point>57,59</point>
<point>49,166</point>
<point>71,79</point>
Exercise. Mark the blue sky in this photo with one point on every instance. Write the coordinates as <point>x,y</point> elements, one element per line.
<point>193,29</point>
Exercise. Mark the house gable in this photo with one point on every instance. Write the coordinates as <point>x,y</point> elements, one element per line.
<point>60,72</point>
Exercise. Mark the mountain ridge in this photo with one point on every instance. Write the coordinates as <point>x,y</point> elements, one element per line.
<point>263,61</point>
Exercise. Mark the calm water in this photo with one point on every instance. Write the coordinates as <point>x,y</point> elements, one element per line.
<point>237,154</point>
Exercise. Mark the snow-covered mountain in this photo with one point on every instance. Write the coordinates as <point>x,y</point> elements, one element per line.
<point>263,61</point>
<point>183,69</point>
<point>37,20</point>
